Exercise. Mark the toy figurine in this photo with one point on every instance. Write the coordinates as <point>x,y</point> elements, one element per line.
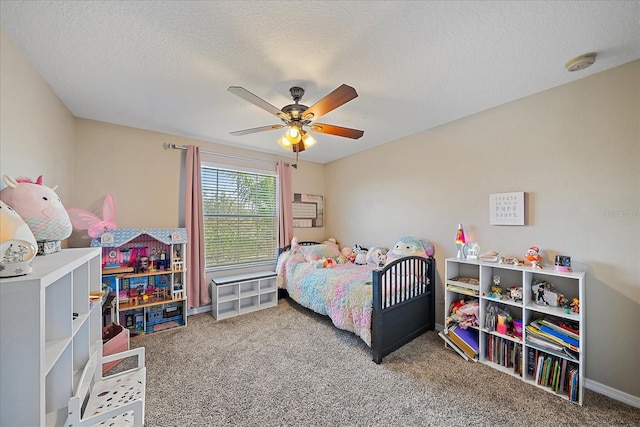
<point>496,290</point>
<point>540,299</point>
<point>533,254</point>
<point>575,305</point>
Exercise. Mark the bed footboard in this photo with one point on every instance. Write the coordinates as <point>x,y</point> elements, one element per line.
<point>403,304</point>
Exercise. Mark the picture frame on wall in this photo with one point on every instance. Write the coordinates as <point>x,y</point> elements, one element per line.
<point>506,208</point>
<point>308,211</point>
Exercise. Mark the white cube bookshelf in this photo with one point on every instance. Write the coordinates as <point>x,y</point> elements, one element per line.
<point>48,329</point>
<point>569,284</point>
<point>241,294</point>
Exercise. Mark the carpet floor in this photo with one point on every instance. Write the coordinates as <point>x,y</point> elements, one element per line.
<point>287,366</point>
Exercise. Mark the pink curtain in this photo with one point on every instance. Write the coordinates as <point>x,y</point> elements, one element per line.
<point>197,287</point>
<point>285,227</point>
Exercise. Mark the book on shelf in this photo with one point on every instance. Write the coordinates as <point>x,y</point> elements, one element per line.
<point>465,339</point>
<point>453,346</point>
<point>552,346</point>
<point>462,290</point>
<point>534,330</point>
<point>562,374</point>
<point>565,338</point>
<point>531,360</point>
<point>561,328</point>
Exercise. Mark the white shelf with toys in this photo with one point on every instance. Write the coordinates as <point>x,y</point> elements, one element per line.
<point>521,320</point>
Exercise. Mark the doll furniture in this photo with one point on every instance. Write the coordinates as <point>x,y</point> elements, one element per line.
<point>122,393</point>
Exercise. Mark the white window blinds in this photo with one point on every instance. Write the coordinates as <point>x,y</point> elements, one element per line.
<point>240,217</point>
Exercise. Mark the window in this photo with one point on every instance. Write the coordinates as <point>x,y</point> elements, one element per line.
<point>240,217</point>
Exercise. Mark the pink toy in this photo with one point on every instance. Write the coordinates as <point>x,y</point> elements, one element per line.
<point>39,206</point>
<point>85,220</point>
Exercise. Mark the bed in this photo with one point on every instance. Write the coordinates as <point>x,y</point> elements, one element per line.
<point>386,307</point>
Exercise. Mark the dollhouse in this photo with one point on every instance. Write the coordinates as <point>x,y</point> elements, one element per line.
<point>144,269</point>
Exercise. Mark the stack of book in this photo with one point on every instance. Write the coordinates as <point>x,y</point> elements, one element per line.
<point>463,341</point>
<point>555,335</point>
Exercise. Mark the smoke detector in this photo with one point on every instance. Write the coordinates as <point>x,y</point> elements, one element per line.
<point>581,62</point>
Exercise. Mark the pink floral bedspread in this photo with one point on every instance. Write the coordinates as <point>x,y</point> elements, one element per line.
<point>342,292</point>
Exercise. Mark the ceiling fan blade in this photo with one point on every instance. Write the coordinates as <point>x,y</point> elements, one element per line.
<point>254,130</point>
<point>255,100</point>
<point>338,97</point>
<point>336,130</point>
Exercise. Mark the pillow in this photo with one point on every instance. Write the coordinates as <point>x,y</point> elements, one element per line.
<point>323,250</point>
<point>408,246</point>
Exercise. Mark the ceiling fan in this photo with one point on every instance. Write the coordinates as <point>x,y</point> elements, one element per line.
<point>298,116</point>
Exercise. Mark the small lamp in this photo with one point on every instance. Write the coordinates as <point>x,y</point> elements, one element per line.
<point>460,241</point>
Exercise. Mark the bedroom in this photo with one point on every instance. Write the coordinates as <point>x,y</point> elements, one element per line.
<point>573,149</point>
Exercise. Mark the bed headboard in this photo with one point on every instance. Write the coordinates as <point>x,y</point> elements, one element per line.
<point>288,247</point>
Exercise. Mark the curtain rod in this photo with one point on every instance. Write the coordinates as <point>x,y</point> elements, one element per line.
<point>228,156</point>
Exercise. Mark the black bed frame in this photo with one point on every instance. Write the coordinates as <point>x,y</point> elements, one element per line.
<point>403,303</point>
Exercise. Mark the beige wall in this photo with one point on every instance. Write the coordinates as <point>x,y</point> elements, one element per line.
<point>36,129</point>
<point>146,180</point>
<point>574,150</point>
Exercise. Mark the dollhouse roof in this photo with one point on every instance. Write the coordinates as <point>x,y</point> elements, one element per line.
<point>116,238</point>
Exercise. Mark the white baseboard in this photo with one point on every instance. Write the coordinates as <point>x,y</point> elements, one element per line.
<point>605,390</point>
<point>198,310</point>
<point>613,393</point>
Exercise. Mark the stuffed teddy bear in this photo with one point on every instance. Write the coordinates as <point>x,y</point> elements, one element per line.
<point>408,246</point>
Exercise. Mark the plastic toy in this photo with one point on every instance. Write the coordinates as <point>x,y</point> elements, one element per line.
<point>515,293</point>
<point>85,220</point>
<point>496,289</point>
<point>575,305</point>
<point>533,254</point>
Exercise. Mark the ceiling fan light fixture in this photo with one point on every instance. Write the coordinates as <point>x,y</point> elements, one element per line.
<point>293,135</point>
<point>284,143</point>
<point>307,139</point>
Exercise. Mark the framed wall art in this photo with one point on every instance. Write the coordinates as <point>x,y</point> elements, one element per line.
<point>308,211</point>
<point>506,208</point>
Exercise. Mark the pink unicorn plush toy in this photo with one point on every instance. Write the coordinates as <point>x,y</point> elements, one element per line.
<point>39,206</point>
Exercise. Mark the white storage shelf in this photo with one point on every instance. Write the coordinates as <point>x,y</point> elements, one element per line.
<point>241,294</point>
<point>48,328</point>
<point>571,285</point>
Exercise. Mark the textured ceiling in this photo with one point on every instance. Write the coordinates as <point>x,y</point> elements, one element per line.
<point>166,65</point>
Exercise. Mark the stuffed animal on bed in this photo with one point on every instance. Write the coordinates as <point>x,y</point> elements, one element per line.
<point>408,246</point>
<point>376,256</point>
<point>348,254</point>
